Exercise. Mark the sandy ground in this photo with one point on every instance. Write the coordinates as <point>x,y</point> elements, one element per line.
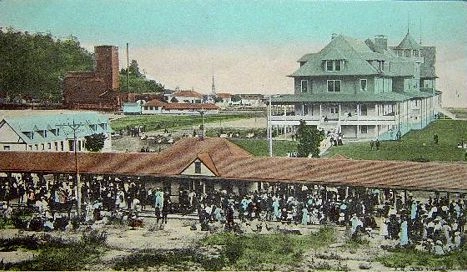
<point>176,234</point>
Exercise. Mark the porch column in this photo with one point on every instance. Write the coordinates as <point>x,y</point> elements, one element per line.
<point>339,115</point>
<point>358,112</point>
<point>320,112</point>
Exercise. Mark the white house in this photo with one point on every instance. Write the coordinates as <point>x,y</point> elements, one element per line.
<point>51,131</point>
<point>156,106</point>
<point>184,96</point>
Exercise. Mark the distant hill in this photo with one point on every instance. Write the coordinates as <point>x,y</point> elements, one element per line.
<point>33,65</point>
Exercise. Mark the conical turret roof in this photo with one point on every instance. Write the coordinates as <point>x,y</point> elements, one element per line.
<point>408,43</point>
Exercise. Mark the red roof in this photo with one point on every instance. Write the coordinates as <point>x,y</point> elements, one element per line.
<point>190,106</point>
<point>228,161</point>
<point>155,103</point>
<point>224,95</point>
<point>188,93</point>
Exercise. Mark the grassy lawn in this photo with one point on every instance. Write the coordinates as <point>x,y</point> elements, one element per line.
<point>259,147</point>
<point>415,145</point>
<point>155,122</point>
<point>259,252</point>
<point>401,258</point>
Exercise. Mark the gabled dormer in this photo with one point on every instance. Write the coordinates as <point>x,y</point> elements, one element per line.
<point>333,61</point>
<point>202,165</point>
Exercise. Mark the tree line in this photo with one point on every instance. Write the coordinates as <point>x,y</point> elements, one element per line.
<point>33,66</point>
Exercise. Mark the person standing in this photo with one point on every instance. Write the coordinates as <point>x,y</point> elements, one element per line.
<point>158,203</point>
<point>305,216</point>
<point>377,144</point>
<point>404,236</point>
<point>166,208</point>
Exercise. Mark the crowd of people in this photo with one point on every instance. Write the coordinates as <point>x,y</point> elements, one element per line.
<point>435,224</point>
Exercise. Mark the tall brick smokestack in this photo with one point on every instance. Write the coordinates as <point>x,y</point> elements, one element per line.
<point>107,65</point>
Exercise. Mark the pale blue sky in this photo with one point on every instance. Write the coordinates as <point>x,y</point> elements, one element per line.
<point>249,45</point>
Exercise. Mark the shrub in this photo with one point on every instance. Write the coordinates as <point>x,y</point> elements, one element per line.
<point>94,237</point>
<point>233,249</point>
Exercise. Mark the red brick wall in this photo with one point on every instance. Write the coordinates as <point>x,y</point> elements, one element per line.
<point>107,65</point>
<point>97,89</point>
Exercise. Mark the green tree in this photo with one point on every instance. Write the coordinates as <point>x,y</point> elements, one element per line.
<point>137,81</point>
<point>309,139</point>
<point>95,142</point>
<point>33,65</point>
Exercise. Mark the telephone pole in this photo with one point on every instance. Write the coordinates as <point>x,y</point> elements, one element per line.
<point>75,126</point>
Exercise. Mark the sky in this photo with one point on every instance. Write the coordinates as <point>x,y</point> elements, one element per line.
<point>248,46</point>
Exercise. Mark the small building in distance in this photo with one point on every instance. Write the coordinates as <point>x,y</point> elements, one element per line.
<point>98,89</point>
<point>156,106</point>
<point>253,100</point>
<point>184,96</point>
<point>51,131</point>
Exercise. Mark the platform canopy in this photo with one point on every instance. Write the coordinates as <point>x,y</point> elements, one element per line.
<point>230,162</point>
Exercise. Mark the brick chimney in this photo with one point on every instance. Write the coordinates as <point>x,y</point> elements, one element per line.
<point>107,65</point>
<point>381,43</point>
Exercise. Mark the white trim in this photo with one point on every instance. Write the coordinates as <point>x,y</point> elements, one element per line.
<point>366,84</point>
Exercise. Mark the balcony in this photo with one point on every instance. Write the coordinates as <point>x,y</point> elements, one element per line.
<point>344,120</point>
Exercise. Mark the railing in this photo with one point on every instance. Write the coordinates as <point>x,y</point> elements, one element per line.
<point>342,118</point>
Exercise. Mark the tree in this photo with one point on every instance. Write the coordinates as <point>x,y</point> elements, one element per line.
<point>95,142</point>
<point>309,139</point>
<point>32,65</point>
<point>137,81</point>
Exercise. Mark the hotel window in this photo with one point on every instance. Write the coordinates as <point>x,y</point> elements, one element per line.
<point>363,84</point>
<point>363,110</point>
<point>334,110</point>
<point>334,85</point>
<point>198,167</point>
<point>6,147</point>
<point>333,65</point>
<point>49,145</point>
<point>363,129</point>
<point>337,65</point>
<point>304,86</point>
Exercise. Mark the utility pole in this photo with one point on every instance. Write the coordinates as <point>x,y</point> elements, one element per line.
<point>270,127</point>
<point>202,111</point>
<point>75,126</point>
<point>127,69</point>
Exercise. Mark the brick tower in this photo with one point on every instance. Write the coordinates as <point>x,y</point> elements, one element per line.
<point>107,65</point>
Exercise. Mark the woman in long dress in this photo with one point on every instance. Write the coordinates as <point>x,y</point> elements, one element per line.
<point>305,217</point>
<point>404,237</point>
<point>383,231</point>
